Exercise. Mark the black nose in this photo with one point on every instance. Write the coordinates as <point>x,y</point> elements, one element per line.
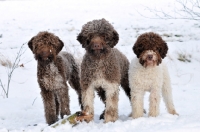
<point>150,57</point>
<point>96,45</point>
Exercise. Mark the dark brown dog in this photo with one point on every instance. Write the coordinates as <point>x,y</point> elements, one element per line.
<point>53,70</point>
<point>103,68</point>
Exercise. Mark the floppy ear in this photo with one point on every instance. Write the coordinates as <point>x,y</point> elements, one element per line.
<point>81,40</point>
<point>30,44</point>
<point>59,46</point>
<point>115,39</point>
<point>137,49</point>
<point>163,49</point>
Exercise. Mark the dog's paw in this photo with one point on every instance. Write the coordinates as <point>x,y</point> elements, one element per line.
<point>83,116</point>
<point>173,112</point>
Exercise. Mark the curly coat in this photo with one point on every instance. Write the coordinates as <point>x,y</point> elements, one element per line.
<point>54,68</point>
<point>150,41</point>
<point>147,72</point>
<point>103,68</point>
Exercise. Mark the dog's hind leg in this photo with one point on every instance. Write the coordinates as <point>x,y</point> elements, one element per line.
<point>49,106</point>
<point>102,94</point>
<point>63,99</point>
<point>74,80</point>
<point>57,107</point>
<point>125,85</point>
<point>167,93</point>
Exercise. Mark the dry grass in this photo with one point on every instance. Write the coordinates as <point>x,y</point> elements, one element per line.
<point>4,61</point>
<point>184,57</point>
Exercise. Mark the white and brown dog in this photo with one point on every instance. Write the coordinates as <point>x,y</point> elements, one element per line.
<point>147,72</point>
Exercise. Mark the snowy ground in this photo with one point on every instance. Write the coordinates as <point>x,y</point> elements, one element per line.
<point>21,20</point>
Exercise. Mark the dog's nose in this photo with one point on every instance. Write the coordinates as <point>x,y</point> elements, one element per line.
<point>97,46</point>
<point>150,57</point>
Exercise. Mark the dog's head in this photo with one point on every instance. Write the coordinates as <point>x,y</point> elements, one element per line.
<point>45,46</point>
<point>98,37</point>
<point>150,48</point>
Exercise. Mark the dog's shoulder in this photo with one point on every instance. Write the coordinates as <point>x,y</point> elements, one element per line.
<point>135,64</point>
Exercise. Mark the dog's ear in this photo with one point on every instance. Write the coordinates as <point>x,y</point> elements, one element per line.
<point>163,49</point>
<point>81,40</point>
<point>137,49</point>
<point>59,46</point>
<point>115,39</point>
<point>30,44</point>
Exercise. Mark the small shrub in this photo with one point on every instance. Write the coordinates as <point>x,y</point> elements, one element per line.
<point>184,57</point>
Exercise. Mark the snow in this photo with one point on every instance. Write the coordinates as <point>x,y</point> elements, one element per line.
<point>21,20</point>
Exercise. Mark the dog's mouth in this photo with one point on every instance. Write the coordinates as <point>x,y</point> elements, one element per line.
<point>150,63</point>
<point>45,60</point>
<point>98,51</point>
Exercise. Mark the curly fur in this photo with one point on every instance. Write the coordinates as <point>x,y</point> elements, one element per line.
<point>150,41</point>
<point>103,68</point>
<point>147,73</point>
<point>53,70</point>
<point>100,28</point>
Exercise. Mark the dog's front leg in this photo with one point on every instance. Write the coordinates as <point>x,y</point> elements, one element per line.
<point>167,93</point>
<point>112,98</point>
<point>137,97</point>
<point>154,102</point>
<point>49,106</point>
<point>88,101</point>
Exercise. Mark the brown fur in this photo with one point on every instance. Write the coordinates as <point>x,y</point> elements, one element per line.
<point>103,63</point>
<point>53,70</point>
<point>150,41</point>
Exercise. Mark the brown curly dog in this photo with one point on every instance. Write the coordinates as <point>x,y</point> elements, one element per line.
<point>103,68</point>
<point>54,69</point>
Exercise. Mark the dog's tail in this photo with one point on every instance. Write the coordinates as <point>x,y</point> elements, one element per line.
<point>167,92</point>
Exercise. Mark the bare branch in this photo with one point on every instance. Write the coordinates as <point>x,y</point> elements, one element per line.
<point>190,9</point>
<point>11,68</point>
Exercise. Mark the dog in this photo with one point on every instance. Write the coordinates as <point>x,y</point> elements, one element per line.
<point>54,69</point>
<point>103,68</point>
<point>147,72</point>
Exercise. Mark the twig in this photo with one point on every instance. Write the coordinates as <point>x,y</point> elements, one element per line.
<point>34,101</point>
<point>191,12</point>
<point>11,68</point>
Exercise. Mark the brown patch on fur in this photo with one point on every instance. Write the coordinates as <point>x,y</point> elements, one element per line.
<point>149,58</point>
<point>112,115</point>
<point>54,69</point>
<point>150,41</point>
<point>101,60</point>
<point>97,47</point>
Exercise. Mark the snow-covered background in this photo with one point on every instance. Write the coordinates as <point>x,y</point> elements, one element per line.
<point>21,20</point>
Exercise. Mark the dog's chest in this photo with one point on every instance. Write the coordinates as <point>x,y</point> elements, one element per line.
<point>99,76</point>
<point>150,78</point>
<point>52,78</point>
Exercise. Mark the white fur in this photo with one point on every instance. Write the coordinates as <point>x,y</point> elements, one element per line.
<point>154,79</point>
<point>56,82</point>
<point>112,89</point>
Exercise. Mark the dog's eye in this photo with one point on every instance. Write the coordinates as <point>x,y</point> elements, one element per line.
<point>39,57</point>
<point>88,41</point>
